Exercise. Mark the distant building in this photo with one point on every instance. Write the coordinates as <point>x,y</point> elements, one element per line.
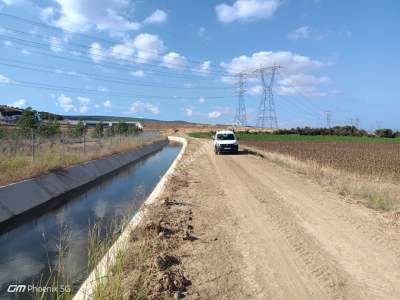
<point>10,114</point>
<point>106,124</point>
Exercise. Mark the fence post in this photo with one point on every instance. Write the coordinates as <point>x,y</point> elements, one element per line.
<point>33,143</point>
<point>62,145</point>
<point>84,142</point>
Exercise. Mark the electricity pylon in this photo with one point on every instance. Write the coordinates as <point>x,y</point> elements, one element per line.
<point>266,110</point>
<point>240,117</point>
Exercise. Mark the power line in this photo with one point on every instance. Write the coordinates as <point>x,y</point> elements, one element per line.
<point>91,37</point>
<point>41,69</point>
<point>160,69</point>
<point>119,67</point>
<point>30,84</point>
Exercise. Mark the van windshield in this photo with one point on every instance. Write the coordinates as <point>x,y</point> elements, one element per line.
<point>226,137</point>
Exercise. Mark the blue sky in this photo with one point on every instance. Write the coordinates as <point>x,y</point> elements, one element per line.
<point>177,60</point>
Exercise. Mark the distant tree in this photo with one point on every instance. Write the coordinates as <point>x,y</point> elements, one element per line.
<point>385,132</point>
<point>122,128</point>
<point>78,130</point>
<point>110,131</point>
<point>2,133</point>
<point>49,129</point>
<point>99,130</point>
<point>28,120</point>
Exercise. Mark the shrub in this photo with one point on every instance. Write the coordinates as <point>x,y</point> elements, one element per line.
<point>385,132</point>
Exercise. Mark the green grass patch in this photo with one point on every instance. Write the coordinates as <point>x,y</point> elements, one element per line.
<point>377,201</point>
<point>294,137</point>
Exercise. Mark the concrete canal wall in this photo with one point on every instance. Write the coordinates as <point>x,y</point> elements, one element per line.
<point>99,273</point>
<point>22,197</point>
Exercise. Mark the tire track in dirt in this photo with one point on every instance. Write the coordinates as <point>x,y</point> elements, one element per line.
<point>305,249</point>
<point>268,242</point>
<point>364,250</point>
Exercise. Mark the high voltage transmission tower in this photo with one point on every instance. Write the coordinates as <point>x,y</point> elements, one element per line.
<point>266,111</point>
<point>328,119</point>
<point>240,117</point>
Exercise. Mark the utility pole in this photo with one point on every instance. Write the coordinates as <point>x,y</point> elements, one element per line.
<point>328,118</point>
<point>266,110</point>
<point>240,117</point>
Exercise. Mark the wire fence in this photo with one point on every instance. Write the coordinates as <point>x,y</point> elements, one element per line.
<point>34,144</point>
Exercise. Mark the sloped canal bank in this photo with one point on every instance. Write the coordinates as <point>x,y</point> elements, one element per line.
<point>29,251</point>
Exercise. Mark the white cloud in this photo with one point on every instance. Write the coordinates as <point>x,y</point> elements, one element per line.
<point>204,68</point>
<point>158,17</point>
<point>122,51</point>
<point>5,79</point>
<point>96,52</point>
<point>47,14</point>
<point>214,114</point>
<point>56,44</point>
<point>138,73</point>
<point>292,78</point>
<point>246,10</point>
<point>201,100</point>
<point>305,32</point>
<point>290,62</point>
<point>256,90</point>
<point>107,104</point>
<point>148,47</point>
<point>83,100</point>
<point>139,106</point>
<point>174,60</point>
<point>300,33</point>
<point>25,52</point>
<point>78,15</point>
<point>19,103</point>
<point>8,43</point>
<point>145,47</point>
<point>303,79</point>
<point>309,91</point>
<point>188,112</point>
<point>66,103</point>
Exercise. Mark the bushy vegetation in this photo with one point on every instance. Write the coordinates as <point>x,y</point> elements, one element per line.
<point>334,134</point>
<point>337,130</point>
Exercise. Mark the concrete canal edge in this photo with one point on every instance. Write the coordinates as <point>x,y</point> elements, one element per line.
<point>100,272</point>
<point>21,198</point>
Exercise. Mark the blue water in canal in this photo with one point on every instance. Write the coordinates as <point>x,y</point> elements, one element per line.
<point>27,250</point>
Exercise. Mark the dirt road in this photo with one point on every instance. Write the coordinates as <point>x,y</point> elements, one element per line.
<point>267,233</point>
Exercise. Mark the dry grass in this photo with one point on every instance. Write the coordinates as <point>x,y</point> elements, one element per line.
<point>149,268</point>
<point>49,158</point>
<point>373,191</point>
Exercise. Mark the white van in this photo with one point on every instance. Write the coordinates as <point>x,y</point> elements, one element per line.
<point>225,141</point>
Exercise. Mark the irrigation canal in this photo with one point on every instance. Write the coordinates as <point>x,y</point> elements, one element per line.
<point>29,251</point>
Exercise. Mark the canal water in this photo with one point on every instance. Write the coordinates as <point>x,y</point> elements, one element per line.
<point>29,251</point>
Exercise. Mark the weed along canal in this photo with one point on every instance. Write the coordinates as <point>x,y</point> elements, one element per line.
<point>52,249</point>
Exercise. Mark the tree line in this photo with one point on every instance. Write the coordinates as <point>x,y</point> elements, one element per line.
<point>30,120</point>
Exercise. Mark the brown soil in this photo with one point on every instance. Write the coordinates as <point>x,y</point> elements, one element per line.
<point>239,226</point>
